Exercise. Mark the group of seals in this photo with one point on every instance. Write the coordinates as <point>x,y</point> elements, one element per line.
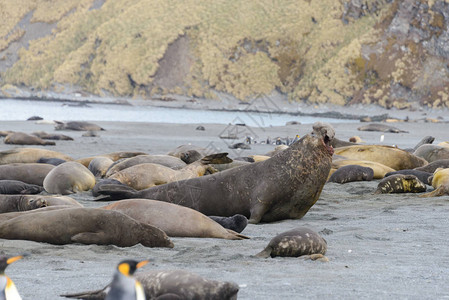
<point>21,138</point>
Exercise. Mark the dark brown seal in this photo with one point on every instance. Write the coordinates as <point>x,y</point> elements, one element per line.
<point>11,187</point>
<point>13,203</point>
<point>52,136</point>
<point>423,176</point>
<point>400,184</point>
<point>85,226</point>
<point>282,187</point>
<point>296,242</point>
<point>173,285</point>
<point>32,173</point>
<point>380,127</point>
<point>432,153</point>
<point>20,138</point>
<point>352,173</point>
<point>431,167</point>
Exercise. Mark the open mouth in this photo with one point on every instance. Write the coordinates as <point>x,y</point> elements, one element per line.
<point>327,142</point>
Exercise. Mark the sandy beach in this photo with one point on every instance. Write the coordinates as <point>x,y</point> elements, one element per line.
<point>379,246</point>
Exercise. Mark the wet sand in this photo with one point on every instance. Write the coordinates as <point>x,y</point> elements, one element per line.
<point>379,246</point>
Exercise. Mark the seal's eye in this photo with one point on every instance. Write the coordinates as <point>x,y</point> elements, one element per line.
<point>31,201</point>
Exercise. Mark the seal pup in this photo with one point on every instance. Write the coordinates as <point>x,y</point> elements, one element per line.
<point>381,128</point>
<point>84,226</point>
<point>433,166</point>
<point>29,155</point>
<point>69,177</point>
<point>440,182</point>
<point>235,223</point>
<point>174,220</point>
<point>8,289</point>
<point>285,186</point>
<point>432,153</point>
<point>294,243</point>
<point>13,203</point>
<point>12,187</point>
<point>21,138</point>
<point>351,173</point>
<point>77,126</point>
<point>31,173</point>
<point>389,156</point>
<point>173,284</point>
<point>400,184</point>
<point>423,176</point>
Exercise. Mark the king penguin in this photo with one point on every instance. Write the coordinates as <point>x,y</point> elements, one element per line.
<point>123,285</point>
<point>8,290</point>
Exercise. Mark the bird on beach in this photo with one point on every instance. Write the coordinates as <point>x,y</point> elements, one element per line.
<point>123,285</point>
<point>8,290</point>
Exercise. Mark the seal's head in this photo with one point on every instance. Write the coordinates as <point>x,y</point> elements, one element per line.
<point>326,132</point>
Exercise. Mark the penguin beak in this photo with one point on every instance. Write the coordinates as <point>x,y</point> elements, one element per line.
<point>142,263</point>
<point>15,258</point>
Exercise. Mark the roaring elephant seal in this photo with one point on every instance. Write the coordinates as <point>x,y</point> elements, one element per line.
<point>32,173</point>
<point>52,136</point>
<point>389,156</point>
<point>113,155</point>
<point>351,173</point>
<point>11,187</point>
<point>432,153</point>
<point>296,242</point>
<point>21,138</point>
<point>29,155</point>
<point>14,203</point>
<point>174,220</point>
<point>77,126</point>
<point>146,175</point>
<point>422,176</point>
<point>83,225</point>
<point>440,182</point>
<point>433,166</point>
<point>169,161</point>
<point>69,177</point>
<point>380,127</point>
<point>400,184</point>
<point>285,186</point>
<point>173,285</point>
<point>236,223</point>
<point>99,166</point>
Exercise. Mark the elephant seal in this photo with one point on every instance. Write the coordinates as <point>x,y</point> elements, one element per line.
<point>235,223</point>
<point>188,153</point>
<point>14,203</point>
<point>422,176</point>
<point>351,173</point>
<point>4,133</point>
<point>392,157</point>
<point>337,143</point>
<point>432,153</point>
<point>400,184</point>
<point>381,128</point>
<point>85,226</point>
<point>104,181</point>
<point>53,136</point>
<point>174,220</point>
<point>294,243</point>
<point>444,144</point>
<point>431,167</point>
<point>173,285</point>
<point>77,126</point>
<point>147,175</point>
<point>21,138</point>
<point>31,173</point>
<point>440,182</point>
<point>12,187</point>
<point>28,155</point>
<point>285,186</point>
<point>99,166</point>
<point>56,200</point>
<point>69,177</point>
<point>379,169</point>
<point>113,155</point>
<point>169,161</point>
<point>51,160</point>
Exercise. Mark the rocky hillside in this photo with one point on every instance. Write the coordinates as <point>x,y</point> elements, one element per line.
<point>391,53</point>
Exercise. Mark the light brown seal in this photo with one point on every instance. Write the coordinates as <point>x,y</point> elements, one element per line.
<point>169,161</point>
<point>29,155</point>
<point>294,243</point>
<point>83,225</point>
<point>113,155</point>
<point>77,126</point>
<point>52,136</point>
<point>100,165</point>
<point>21,138</point>
<point>69,177</point>
<point>440,182</point>
<point>174,220</point>
<point>432,153</point>
<point>379,169</point>
<point>285,186</point>
<point>31,173</point>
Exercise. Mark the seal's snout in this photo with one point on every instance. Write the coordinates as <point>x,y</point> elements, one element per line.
<point>327,134</point>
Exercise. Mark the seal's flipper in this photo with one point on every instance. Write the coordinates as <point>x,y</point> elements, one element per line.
<point>89,238</point>
<point>218,158</point>
<point>257,212</point>
<point>440,191</point>
<point>265,253</point>
<point>237,236</point>
<point>116,192</point>
<point>89,295</point>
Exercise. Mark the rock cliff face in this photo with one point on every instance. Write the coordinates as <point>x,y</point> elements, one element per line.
<point>391,53</point>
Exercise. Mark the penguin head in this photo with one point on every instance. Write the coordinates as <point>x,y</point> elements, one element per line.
<point>7,260</point>
<point>128,267</point>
